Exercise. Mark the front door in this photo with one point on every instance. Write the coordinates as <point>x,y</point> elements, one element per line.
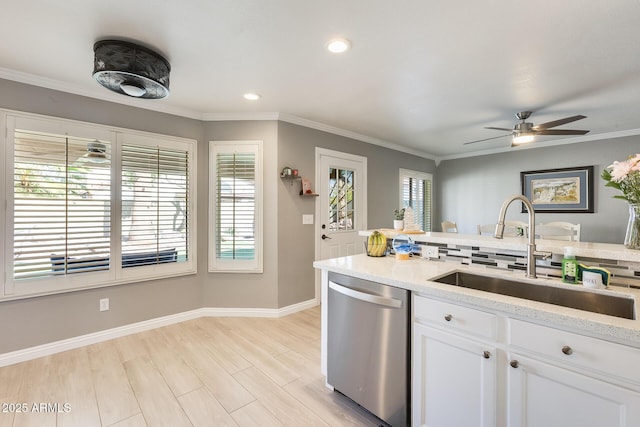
<point>342,204</point>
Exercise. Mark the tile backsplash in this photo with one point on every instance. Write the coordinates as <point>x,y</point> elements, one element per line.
<point>623,273</point>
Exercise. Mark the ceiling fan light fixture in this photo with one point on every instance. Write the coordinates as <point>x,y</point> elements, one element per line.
<point>131,69</point>
<point>523,138</point>
<point>96,152</point>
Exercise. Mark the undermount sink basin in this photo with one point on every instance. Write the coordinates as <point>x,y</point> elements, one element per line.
<point>611,305</point>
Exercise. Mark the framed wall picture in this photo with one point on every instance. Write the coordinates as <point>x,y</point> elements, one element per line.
<point>567,190</point>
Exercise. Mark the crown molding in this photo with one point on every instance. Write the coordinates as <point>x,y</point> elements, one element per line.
<point>353,135</point>
<point>229,117</point>
<point>289,118</point>
<point>53,84</point>
<point>99,94</point>
<point>553,143</point>
<point>162,108</point>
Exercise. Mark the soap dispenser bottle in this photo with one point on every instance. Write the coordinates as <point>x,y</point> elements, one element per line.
<point>569,266</point>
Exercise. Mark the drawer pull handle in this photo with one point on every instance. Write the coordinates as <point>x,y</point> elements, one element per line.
<point>486,354</point>
<point>514,363</point>
<point>448,317</point>
<point>567,350</point>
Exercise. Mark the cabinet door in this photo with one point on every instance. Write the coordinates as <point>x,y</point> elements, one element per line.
<point>543,395</point>
<point>454,380</point>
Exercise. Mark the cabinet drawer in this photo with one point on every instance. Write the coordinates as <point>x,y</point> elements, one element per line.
<point>456,317</point>
<point>577,350</point>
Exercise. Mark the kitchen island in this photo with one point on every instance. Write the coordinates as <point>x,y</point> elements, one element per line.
<point>481,358</point>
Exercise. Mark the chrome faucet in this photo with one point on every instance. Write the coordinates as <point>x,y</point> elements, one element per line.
<point>531,247</point>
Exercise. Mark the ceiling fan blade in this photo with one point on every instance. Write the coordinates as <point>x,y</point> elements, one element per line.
<point>487,139</point>
<point>561,132</point>
<point>505,129</point>
<point>559,122</point>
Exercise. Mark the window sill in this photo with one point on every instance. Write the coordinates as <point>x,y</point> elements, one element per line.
<point>125,281</point>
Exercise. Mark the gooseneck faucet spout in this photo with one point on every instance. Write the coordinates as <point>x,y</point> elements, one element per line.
<point>531,246</point>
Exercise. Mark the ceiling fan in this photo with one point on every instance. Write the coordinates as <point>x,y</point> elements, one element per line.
<point>525,132</point>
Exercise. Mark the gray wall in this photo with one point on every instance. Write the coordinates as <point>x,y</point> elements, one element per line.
<point>296,148</point>
<point>470,191</point>
<point>35,321</point>
<point>237,289</point>
<point>288,276</point>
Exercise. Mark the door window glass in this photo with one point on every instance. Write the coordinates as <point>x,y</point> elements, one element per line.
<point>341,199</point>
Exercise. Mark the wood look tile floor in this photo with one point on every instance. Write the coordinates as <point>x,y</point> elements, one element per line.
<point>204,372</point>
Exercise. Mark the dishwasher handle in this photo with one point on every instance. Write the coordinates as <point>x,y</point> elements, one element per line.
<point>363,296</point>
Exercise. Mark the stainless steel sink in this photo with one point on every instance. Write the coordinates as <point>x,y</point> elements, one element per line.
<point>612,305</point>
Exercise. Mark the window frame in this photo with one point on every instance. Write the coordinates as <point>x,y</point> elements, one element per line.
<point>217,265</point>
<point>407,173</point>
<point>116,275</point>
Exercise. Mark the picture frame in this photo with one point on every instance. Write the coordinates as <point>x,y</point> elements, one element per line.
<point>565,190</point>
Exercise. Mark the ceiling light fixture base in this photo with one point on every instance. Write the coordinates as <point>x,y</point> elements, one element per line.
<point>130,69</point>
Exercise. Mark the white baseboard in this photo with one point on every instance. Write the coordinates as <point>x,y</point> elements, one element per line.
<point>260,312</point>
<point>133,328</point>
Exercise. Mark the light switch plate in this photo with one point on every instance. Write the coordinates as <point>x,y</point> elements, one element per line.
<point>307,218</point>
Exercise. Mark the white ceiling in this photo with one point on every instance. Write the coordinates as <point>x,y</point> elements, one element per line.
<point>425,76</point>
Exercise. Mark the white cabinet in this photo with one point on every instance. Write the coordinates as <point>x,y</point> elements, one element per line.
<point>476,368</point>
<point>558,378</point>
<point>544,395</point>
<point>454,380</point>
<point>454,377</point>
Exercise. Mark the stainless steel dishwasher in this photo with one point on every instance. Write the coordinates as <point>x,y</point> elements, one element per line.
<point>368,346</point>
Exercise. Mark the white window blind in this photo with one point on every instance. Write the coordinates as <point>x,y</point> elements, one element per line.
<point>87,204</point>
<point>61,205</point>
<point>155,205</point>
<point>416,192</point>
<point>236,207</point>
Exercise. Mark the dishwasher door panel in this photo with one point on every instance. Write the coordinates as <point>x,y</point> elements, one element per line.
<point>368,345</point>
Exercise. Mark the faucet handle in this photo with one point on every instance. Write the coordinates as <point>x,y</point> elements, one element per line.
<point>543,254</point>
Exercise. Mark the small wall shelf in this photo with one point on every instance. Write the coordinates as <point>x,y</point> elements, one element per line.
<point>291,178</point>
<point>287,175</point>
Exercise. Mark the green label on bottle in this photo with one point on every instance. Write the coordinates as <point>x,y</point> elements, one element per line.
<point>570,271</point>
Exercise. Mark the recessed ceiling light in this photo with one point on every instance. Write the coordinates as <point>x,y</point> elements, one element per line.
<point>338,45</point>
<point>251,96</point>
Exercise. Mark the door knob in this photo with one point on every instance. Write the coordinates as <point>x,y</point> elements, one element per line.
<point>324,237</point>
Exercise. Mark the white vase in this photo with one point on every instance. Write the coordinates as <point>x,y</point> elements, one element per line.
<point>398,224</point>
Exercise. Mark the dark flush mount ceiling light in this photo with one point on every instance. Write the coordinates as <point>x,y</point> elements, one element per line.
<point>131,69</point>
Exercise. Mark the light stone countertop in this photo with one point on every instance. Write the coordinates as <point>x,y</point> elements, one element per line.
<point>416,274</point>
<point>583,249</point>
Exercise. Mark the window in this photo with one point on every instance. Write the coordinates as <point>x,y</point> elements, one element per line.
<point>416,192</point>
<point>91,206</point>
<point>61,205</point>
<point>155,199</point>
<point>235,206</point>
<point>341,199</point>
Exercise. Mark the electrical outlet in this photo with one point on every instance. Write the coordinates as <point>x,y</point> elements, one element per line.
<point>104,304</point>
<point>429,251</point>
